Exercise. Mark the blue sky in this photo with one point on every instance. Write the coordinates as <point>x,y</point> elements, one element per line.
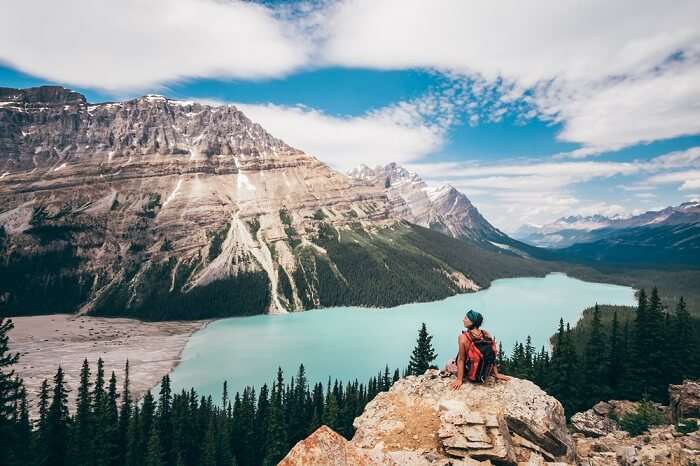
<point>517,107</point>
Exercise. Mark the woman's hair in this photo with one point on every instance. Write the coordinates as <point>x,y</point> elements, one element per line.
<point>475,317</point>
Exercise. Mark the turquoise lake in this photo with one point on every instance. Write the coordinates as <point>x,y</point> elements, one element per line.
<point>354,342</point>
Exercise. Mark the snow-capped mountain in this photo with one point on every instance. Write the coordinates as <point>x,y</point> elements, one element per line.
<point>564,231</point>
<point>442,208</point>
<point>666,236</point>
<point>573,229</point>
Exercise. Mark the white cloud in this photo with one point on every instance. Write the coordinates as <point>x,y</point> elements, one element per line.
<point>603,69</point>
<point>679,159</point>
<point>134,44</point>
<point>654,107</point>
<point>518,41</point>
<point>689,180</point>
<point>398,133</point>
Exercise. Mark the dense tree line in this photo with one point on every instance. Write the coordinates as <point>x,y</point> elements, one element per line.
<point>632,358</point>
<point>109,428</point>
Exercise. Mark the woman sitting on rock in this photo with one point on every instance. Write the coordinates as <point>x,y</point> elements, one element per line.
<point>476,358</point>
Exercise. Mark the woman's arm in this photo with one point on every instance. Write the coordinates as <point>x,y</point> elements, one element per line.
<point>461,358</point>
<point>498,375</point>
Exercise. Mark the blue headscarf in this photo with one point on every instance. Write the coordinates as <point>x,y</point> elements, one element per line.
<point>475,317</point>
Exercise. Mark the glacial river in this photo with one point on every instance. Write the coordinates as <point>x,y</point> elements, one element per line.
<point>353,342</point>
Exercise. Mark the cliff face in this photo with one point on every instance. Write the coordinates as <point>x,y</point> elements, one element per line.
<point>169,209</point>
<point>422,421</point>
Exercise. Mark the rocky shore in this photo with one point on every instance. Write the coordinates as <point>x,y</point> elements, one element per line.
<point>45,342</point>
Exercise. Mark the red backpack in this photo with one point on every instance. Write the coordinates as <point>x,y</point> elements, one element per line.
<point>481,357</point>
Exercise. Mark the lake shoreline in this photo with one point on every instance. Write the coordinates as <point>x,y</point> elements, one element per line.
<point>44,342</point>
<point>154,348</point>
<point>352,342</point>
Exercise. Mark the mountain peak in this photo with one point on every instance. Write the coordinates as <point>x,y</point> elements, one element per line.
<point>41,95</point>
<point>442,208</point>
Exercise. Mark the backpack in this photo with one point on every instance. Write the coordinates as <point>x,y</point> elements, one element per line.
<point>480,358</point>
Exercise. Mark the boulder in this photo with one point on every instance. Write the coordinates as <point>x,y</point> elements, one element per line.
<point>326,447</point>
<point>592,424</point>
<point>601,419</point>
<point>685,400</point>
<point>506,423</point>
<point>421,421</point>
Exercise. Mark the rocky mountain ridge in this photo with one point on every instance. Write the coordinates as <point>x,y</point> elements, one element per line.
<point>441,208</point>
<point>567,231</point>
<point>168,209</point>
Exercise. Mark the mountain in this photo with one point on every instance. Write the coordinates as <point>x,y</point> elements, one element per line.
<point>160,208</point>
<point>441,208</point>
<point>670,236</point>
<point>562,232</point>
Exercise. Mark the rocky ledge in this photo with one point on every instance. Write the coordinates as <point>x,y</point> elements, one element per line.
<point>601,442</point>
<point>421,421</point>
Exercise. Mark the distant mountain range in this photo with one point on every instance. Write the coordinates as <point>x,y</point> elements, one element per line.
<point>161,209</point>
<point>663,237</point>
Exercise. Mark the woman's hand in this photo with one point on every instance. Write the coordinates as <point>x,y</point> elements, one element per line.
<point>456,384</point>
<point>502,378</point>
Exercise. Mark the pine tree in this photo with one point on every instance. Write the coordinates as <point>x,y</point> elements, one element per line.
<point>111,423</point>
<point>330,412</point>
<point>684,348</point>
<point>654,375</point>
<point>124,418</point>
<point>10,385</point>
<point>262,418</point>
<point>134,447</point>
<point>564,377</point>
<point>595,359</point>
<point>209,448</point>
<point>148,410</point>
<point>57,423</point>
<point>636,376</point>
<point>276,431</point>
<point>528,354</point>
<point>616,357</point>
<point>23,438</point>
<point>423,354</point>
<point>165,427</point>
<point>43,406</point>
<point>154,453</point>
<point>83,424</point>
<point>10,394</point>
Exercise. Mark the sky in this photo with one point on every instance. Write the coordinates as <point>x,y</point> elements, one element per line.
<point>535,110</point>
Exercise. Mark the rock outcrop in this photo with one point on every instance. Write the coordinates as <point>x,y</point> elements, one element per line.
<point>685,400</point>
<point>422,421</point>
<point>661,446</point>
<point>601,442</point>
<point>169,209</point>
<point>601,419</point>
